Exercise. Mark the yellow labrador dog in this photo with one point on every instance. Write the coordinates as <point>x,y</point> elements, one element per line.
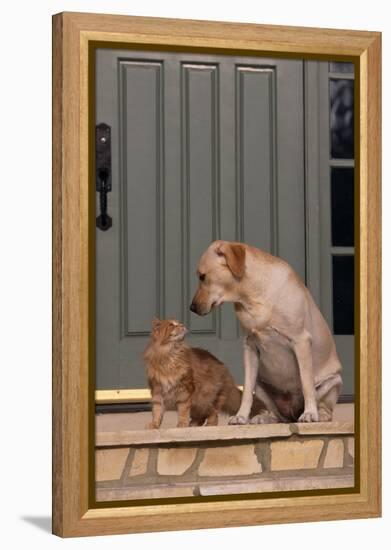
<point>290,360</point>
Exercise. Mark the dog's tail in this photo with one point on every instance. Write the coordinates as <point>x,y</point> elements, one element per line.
<point>234,399</point>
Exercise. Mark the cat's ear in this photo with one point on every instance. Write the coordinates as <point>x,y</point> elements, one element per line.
<point>155,323</point>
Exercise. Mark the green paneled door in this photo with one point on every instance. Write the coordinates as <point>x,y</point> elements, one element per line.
<point>203,147</point>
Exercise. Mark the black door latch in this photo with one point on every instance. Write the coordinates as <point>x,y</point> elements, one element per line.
<point>103,173</point>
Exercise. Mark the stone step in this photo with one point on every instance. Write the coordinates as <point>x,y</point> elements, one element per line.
<point>178,462</point>
<point>219,433</point>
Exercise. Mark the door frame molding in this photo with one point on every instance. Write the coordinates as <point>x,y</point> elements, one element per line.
<point>105,397</point>
<point>75,511</point>
<point>319,249</point>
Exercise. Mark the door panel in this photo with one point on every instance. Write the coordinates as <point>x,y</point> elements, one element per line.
<point>256,125</point>
<point>200,179</point>
<point>141,114</point>
<point>204,147</point>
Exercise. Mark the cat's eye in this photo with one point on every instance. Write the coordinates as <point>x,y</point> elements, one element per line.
<point>202,277</point>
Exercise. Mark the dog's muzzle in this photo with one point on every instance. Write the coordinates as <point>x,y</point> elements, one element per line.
<point>200,309</point>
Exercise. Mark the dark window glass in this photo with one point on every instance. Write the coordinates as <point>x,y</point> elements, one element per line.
<point>342,206</point>
<point>343,294</point>
<point>342,118</point>
<point>338,67</point>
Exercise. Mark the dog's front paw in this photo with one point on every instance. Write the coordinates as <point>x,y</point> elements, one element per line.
<point>309,416</point>
<point>264,417</point>
<point>237,419</point>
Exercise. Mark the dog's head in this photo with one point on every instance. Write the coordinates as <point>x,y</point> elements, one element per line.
<point>220,269</point>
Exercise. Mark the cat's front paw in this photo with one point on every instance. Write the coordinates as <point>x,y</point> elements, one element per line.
<point>152,426</point>
<point>183,424</point>
<point>237,419</point>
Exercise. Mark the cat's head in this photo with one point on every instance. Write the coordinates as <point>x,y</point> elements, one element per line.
<point>168,331</point>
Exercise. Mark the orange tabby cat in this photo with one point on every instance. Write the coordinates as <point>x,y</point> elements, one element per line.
<point>190,380</point>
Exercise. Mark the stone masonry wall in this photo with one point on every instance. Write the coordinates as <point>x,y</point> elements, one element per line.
<point>188,468</point>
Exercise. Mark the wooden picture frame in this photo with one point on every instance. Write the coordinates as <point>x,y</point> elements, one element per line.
<point>73,313</point>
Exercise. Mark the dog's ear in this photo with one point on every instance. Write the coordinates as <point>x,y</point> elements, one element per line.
<point>235,256</point>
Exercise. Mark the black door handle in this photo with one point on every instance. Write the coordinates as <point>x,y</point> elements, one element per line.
<point>103,173</point>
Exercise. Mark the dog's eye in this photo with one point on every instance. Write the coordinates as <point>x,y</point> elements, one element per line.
<point>202,277</point>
